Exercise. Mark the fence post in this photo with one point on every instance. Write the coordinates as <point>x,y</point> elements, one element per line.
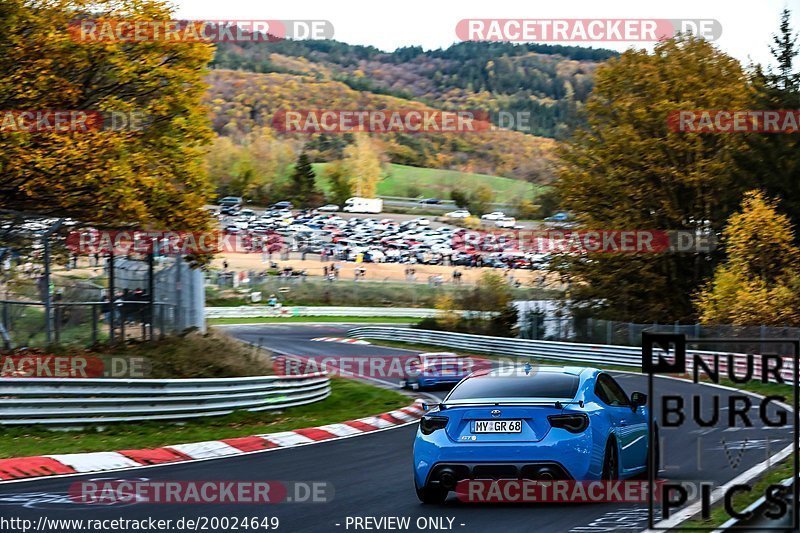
<point>151,286</point>
<point>177,325</point>
<point>94,324</point>
<point>112,308</point>
<point>57,322</point>
<point>48,319</point>
<point>161,321</point>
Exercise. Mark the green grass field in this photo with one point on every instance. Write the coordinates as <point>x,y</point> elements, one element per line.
<point>403,180</point>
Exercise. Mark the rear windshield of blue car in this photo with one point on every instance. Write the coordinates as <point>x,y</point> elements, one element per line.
<point>537,385</point>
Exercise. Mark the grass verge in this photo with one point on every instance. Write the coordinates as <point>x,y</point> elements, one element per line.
<point>350,399</point>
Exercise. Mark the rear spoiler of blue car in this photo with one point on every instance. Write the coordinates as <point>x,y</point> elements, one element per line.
<point>558,404</point>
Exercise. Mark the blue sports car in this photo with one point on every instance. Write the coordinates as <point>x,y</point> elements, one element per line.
<point>534,422</point>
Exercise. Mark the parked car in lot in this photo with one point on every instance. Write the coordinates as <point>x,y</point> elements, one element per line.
<point>230,205</point>
<point>329,208</point>
<point>561,216</point>
<point>495,215</point>
<point>538,423</point>
<point>282,205</point>
<point>506,222</point>
<point>458,213</point>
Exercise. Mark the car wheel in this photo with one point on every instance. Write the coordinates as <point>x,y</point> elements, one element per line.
<point>431,495</point>
<point>611,461</point>
<point>415,385</point>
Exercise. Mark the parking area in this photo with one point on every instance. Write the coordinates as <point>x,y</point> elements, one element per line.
<point>396,247</point>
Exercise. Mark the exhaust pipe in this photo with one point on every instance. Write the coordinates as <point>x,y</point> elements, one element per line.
<point>546,474</point>
<point>447,478</point>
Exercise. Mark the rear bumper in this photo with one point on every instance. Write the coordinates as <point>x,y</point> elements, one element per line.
<point>455,472</point>
<point>568,456</point>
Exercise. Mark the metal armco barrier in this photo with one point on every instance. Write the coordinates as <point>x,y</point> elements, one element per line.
<point>601,354</point>
<point>66,401</point>
<point>257,311</point>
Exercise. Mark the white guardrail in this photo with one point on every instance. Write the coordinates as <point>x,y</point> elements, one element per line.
<point>601,354</point>
<point>259,311</point>
<point>68,401</point>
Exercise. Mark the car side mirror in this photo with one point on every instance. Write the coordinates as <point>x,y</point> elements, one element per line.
<point>638,399</point>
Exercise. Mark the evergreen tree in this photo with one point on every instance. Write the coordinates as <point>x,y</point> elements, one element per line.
<point>304,185</point>
<point>775,158</point>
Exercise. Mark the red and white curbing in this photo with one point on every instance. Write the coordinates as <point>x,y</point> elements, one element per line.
<point>340,339</point>
<point>79,463</point>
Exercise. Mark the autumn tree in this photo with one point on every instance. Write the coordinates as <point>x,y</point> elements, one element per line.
<point>460,198</point>
<point>362,162</point>
<point>480,199</point>
<point>759,282</point>
<point>339,183</point>
<point>256,167</point>
<point>222,165</point>
<point>152,176</point>
<point>627,170</point>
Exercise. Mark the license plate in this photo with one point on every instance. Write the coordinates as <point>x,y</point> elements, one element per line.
<point>497,426</point>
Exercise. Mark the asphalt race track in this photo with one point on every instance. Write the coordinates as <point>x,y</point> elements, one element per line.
<point>371,474</point>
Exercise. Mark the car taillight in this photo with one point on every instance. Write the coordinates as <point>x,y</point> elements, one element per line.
<point>429,424</point>
<point>574,423</point>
